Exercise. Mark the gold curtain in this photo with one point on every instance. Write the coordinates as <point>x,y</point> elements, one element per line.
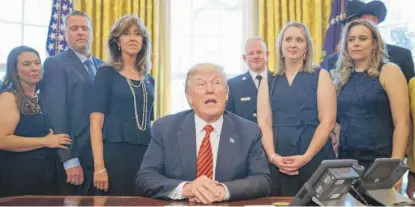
<point>273,14</point>
<point>103,14</point>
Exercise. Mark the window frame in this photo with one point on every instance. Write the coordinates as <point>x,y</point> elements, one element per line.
<point>22,25</point>
<point>249,29</point>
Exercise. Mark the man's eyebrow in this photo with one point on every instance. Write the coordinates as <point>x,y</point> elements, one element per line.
<point>198,78</point>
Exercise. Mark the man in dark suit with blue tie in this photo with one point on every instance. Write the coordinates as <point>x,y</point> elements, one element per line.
<point>243,89</point>
<point>64,93</point>
<point>205,154</point>
<point>376,12</point>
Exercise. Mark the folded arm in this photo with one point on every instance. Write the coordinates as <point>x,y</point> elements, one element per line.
<point>53,97</point>
<point>265,119</point>
<point>327,109</point>
<point>258,182</point>
<point>396,88</point>
<point>150,180</point>
<point>9,119</point>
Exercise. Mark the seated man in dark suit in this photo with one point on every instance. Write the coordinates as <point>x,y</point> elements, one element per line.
<point>205,155</point>
<point>243,89</point>
<point>376,12</point>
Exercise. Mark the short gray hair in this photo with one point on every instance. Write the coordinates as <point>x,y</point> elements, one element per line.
<point>76,13</point>
<point>250,40</point>
<point>203,66</point>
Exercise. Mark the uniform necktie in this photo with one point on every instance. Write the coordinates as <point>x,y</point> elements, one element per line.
<point>259,78</point>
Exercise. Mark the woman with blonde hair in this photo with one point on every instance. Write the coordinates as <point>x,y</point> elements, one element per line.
<point>373,103</point>
<point>296,112</point>
<point>122,108</point>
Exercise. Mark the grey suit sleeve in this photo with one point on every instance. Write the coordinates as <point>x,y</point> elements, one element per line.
<point>53,98</point>
<point>230,102</point>
<point>258,182</point>
<point>150,180</point>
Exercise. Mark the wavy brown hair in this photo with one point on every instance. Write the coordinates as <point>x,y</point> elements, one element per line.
<point>345,64</point>
<point>121,25</point>
<point>308,62</point>
<point>11,80</point>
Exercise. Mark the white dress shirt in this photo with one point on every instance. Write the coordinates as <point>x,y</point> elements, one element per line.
<point>254,74</point>
<point>82,58</point>
<point>214,142</point>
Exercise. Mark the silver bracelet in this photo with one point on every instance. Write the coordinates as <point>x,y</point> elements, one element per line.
<point>103,170</point>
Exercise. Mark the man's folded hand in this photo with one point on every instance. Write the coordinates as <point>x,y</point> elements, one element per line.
<point>204,190</point>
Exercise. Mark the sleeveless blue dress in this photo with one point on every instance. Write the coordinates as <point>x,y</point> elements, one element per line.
<point>365,118</point>
<point>35,172</point>
<point>295,119</point>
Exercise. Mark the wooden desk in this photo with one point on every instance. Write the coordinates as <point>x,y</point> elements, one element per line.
<point>120,201</point>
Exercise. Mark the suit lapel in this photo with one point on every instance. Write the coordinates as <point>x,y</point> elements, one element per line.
<point>78,65</point>
<point>251,84</point>
<point>250,87</point>
<point>269,73</point>
<point>187,144</point>
<point>227,143</point>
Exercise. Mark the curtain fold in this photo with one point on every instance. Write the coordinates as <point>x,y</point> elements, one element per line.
<point>273,14</point>
<point>103,14</point>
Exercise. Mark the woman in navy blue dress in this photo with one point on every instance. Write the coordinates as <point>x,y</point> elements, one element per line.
<point>296,112</point>
<point>28,148</point>
<point>373,103</point>
<point>122,108</point>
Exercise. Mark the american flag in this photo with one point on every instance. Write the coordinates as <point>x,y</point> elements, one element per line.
<point>333,33</point>
<point>56,42</point>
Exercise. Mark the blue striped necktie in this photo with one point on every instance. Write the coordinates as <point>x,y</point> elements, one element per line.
<point>90,67</point>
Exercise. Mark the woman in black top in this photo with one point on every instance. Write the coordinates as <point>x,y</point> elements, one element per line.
<point>122,108</point>
<point>29,161</point>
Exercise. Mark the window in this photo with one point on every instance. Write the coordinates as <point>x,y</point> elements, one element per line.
<point>23,22</point>
<point>399,27</point>
<point>205,31</point>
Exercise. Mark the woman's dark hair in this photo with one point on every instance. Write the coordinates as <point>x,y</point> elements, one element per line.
<point>11,79</point>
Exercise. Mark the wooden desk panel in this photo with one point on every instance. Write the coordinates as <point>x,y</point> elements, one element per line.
<point>120,201</point>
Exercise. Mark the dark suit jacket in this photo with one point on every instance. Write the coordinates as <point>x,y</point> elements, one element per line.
<point>64,95</point>
<point>398,55</point>
<point>171,157</point>
<point>242,98</point>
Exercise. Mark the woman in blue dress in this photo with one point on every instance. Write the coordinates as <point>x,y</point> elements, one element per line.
<point>122,108</point>
<point>29,161</point>
<point>373,100</point>
<point>296,112</point>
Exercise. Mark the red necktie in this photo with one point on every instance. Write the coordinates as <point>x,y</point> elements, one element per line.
<point>204,164</point>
